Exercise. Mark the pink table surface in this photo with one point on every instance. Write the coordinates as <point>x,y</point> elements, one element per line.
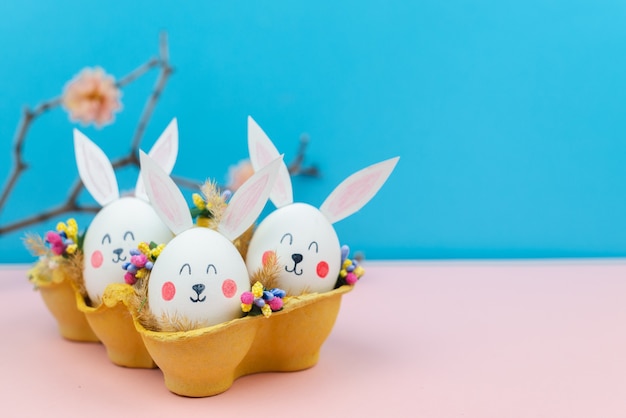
<point>414,339</point>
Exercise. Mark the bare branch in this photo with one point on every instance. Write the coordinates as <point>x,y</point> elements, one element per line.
<point>19,165</point>
<point>186,183</point>
<point>164,74</point>
<point>67,207</point>
<point>296,168</point>
<point>137,73</point>
<point>71,204</point>
<point>29,116</point>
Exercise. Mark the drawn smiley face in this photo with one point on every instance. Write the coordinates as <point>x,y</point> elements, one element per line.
<point>306,247</point>
<point>114,231</point>
<point>199,276</point>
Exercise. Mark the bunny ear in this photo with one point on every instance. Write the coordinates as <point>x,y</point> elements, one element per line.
<point>262,151</point>
<point>164,152</point>
<point>355,191</point>
<point>248,201</point>
<point>95,170</point>
<point>166,199</point>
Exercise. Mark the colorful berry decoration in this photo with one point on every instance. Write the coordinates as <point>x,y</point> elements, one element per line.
<point>141,261</point>
<point>262,301</point>
<point>63,241</point>
<point>350,271</point>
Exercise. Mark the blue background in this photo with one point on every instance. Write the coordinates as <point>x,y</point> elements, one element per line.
<point>509,118</point>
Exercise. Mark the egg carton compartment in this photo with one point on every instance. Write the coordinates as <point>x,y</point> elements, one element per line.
<point>200,362</point>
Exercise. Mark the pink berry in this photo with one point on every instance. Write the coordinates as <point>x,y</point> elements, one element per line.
<point>276,304</point>
<point>53,238</point>
<point>130,278</point>
<point>247,298</point>
<point>351,278</point>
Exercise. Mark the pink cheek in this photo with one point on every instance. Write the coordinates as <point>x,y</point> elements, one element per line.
<point>322,269</point>
<point>267,256</point>
<point>229,288</point>
<point>96,259</point>
<point>168,291</point>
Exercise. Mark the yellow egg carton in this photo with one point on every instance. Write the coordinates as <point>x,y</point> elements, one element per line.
<point>60,295</point>
<point>201,362</point>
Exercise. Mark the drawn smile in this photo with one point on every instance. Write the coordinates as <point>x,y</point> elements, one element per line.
<point>119,258</point>
<point>297,258</point>
<point>198,288</point>
<point>293,270</point>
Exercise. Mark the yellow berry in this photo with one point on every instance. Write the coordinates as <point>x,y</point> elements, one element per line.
<point>257,290</point>
<point>347,263</point>
<point>144,248</point>
<point>203,221</point>
<point>359,271</point>
<point>71,249</point>
<point>72,229</point>
<point>246,307</point>
<point>267,311</point>
<point>198,201</point>
<point>157,250</point>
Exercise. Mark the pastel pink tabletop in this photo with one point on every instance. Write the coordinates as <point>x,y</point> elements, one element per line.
<point>413,339</point>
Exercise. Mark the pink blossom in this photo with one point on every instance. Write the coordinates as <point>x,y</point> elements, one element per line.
<point>92,97</point>
<point>238,174</point>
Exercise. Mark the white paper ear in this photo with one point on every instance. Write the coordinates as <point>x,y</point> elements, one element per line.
<point>248,201</point>
<point>355,191</point>
<point>165,196</point>
<point>163,152</point>
<point>95,170</point>
<point>262,151</point>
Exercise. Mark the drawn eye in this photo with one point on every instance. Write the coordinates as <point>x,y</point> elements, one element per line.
<point>313,243</point>
<point>287,235</point>
<point>211,267</point>
<point>129,234</point>
<point>106,238</point>
<point>183,268</point>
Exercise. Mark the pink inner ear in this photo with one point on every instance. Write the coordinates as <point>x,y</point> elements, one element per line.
<point>352,195</point>
<point>233,218</point>
<point>166,201</point>
<point>163,152</point>
<point>104,188</point>
<point>264,157</point>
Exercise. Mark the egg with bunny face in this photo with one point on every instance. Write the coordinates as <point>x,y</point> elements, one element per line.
<point>302,236</point>
<point>122,222</point>
<point>198,280</point>
<point>117,228</point>
<point>199,277</point>
<point>306,247</point>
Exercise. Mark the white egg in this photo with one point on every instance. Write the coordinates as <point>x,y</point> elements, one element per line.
<point>117,228</point>
<point>199,277</point>
<point>307,247</point>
